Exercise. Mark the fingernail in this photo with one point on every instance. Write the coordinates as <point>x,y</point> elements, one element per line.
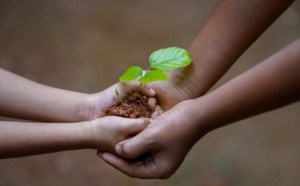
<point>151,120</point>
<point>119,149</point>
<point>152,91</point>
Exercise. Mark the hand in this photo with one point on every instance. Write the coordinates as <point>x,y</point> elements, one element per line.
<point>96,105</point>
<point>171,92</point>
<point>106,132</point>
<point>167,95</point>
<point>166,142</point>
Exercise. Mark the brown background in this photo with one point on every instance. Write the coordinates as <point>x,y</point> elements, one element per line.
<point>85,45</point>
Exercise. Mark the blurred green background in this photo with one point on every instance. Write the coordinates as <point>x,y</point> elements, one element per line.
<point>85,45</point>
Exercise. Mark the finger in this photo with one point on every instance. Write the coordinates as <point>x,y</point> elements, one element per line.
<point>134,147</point>
<point>127,87</point>
<point>137,125</point>
<point>158,108</point>
<point>152,103</point>
<point>139,169</point>
<point>157,112</point>
<point>147,91</point>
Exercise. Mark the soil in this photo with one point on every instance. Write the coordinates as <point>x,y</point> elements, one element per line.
<point>132,108</point>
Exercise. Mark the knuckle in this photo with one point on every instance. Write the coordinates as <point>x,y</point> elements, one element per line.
<point>127,149</point>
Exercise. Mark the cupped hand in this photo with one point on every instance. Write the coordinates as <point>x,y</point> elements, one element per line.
<point>106,132</point>
<point>175,90</point>
<point>96,105</point>
<point>163,145</point>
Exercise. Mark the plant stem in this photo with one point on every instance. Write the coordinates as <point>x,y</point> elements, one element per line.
<point>137,93</point>
<point>147,70</point>
<point>118,96</point>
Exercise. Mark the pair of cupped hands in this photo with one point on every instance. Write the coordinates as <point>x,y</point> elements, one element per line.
<point>145,147</point>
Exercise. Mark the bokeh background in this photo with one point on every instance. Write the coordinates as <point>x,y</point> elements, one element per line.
<point>86,45</point>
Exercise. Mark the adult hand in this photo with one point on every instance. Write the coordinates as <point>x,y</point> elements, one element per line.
<point>163,144</point>
<point>171,92</point>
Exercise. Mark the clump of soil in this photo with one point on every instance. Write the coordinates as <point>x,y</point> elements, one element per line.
<point>132,108</point>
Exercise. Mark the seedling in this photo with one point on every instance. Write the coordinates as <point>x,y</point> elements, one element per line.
<point>161,60</point>
<point>118,96</point>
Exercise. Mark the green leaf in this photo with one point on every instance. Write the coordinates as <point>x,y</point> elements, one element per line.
<point>170,58</point>
<point>155,75</point>
<point>131,73</point>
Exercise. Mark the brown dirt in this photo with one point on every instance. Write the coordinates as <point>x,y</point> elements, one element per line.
<point>132,108</point>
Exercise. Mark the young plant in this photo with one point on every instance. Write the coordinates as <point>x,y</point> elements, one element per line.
<point>161,60</point>
<point>118,96</point>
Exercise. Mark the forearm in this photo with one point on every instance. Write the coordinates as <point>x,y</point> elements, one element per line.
<point>22,98</point>
<point>23,139</point>
<point>269,85</point>
<point>232,27</point>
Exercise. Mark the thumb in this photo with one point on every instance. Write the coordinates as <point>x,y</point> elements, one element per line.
<point>134,147</point>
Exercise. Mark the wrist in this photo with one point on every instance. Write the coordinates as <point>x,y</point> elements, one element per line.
<point>82,110</point>
<point>86,134</point>
<point>189,81</point>
<point>192,125</point>
<point>208,113</point>
<point>98,134</point>
<point>199,117</point>
<point>90,107</point>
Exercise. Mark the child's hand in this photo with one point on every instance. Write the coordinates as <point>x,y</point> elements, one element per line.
<point>97,105</point>
<point>108,131</point>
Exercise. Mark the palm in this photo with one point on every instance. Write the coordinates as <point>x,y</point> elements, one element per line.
<point>158,139</point>
<point>98,104</point>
